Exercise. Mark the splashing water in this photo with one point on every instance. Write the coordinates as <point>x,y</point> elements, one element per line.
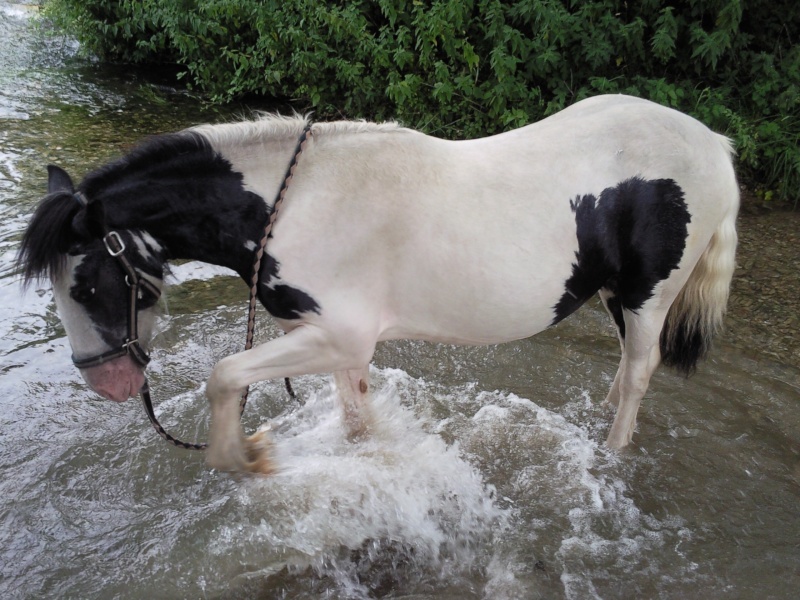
<point>398,508</point>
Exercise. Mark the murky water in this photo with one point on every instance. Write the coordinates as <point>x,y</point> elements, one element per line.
<point>486,476</point>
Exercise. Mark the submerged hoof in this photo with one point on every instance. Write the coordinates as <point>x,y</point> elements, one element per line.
<point>616,441</point>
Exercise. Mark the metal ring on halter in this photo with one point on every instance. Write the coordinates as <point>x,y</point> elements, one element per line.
<point>115,236</point>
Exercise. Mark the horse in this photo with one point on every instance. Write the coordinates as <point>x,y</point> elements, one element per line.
<point>387,233</point>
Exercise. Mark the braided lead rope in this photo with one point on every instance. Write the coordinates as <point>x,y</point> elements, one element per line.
<point>148,408</point>
<point>251,311</point>
<point>273,216</point>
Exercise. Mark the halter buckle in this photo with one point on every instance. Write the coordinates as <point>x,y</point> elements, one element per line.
<point>113,236</point>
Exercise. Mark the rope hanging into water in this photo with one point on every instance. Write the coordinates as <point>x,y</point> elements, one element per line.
<point>251,311</point>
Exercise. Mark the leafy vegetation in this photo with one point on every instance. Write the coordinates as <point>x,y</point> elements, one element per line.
<point>472,67</point>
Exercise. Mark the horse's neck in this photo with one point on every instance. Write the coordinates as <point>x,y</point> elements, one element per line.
<point>238,201</point>
<point>207,201</point>
<point>224,229</point>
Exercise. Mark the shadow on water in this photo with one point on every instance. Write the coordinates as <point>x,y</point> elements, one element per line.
<point>486,476</point>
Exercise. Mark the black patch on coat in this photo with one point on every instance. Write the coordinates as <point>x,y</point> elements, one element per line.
<point>629,239</point>
<point>201,210</point>
<point>281,300</point>
<point>187,196</point>
<point>174,186</point>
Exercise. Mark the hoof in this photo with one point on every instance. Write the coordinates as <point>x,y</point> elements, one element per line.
<point>618,442</point>
<point>248,456</point>
<point>259,449</point>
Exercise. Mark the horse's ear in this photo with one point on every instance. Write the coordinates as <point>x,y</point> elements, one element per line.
<point>58,180</point>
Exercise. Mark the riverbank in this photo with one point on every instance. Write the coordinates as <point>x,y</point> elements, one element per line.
<point>764,308</point>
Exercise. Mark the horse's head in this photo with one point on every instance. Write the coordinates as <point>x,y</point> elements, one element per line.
<point>105,283</point>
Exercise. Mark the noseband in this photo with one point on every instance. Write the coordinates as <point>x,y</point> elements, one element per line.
<point>136,284</point>
<point>116,248</point>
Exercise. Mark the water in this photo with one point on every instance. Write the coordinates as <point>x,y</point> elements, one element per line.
<point>486,476</point>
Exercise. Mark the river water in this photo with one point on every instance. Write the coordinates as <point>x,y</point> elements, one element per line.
<point>486,476</point>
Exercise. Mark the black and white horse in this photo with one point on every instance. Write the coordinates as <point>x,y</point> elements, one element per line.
<point>387,233</point>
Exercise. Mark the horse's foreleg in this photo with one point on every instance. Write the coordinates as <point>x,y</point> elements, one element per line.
<point>353,389</point>
<point>306,349</point>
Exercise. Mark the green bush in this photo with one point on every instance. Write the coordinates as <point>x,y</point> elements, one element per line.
<point>472,67</point>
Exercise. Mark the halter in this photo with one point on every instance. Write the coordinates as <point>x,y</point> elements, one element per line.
<point>116,248</point>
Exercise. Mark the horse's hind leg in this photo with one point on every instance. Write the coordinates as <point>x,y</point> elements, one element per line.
<point>614,309</point>
<point>641,357</point>
<point>353,389</point>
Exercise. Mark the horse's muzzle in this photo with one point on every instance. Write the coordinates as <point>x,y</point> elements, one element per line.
<point>117,379</point>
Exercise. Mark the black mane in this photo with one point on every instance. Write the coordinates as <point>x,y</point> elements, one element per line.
<point>60,221</point>
<point>153,153</point>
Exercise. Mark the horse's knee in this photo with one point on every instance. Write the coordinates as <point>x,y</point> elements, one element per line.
<point>354,380</point>
<point>223,381</point>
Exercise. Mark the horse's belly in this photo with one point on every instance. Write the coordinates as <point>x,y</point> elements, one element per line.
<point>489,281</point>
<point>467,305</point>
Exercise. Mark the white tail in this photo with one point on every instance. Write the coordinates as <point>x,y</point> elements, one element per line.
<point>696,315</point>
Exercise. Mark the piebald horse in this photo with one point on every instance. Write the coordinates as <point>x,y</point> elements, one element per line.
<point>387,233</point>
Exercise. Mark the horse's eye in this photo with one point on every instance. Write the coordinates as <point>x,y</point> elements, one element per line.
<point>82,294</point>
